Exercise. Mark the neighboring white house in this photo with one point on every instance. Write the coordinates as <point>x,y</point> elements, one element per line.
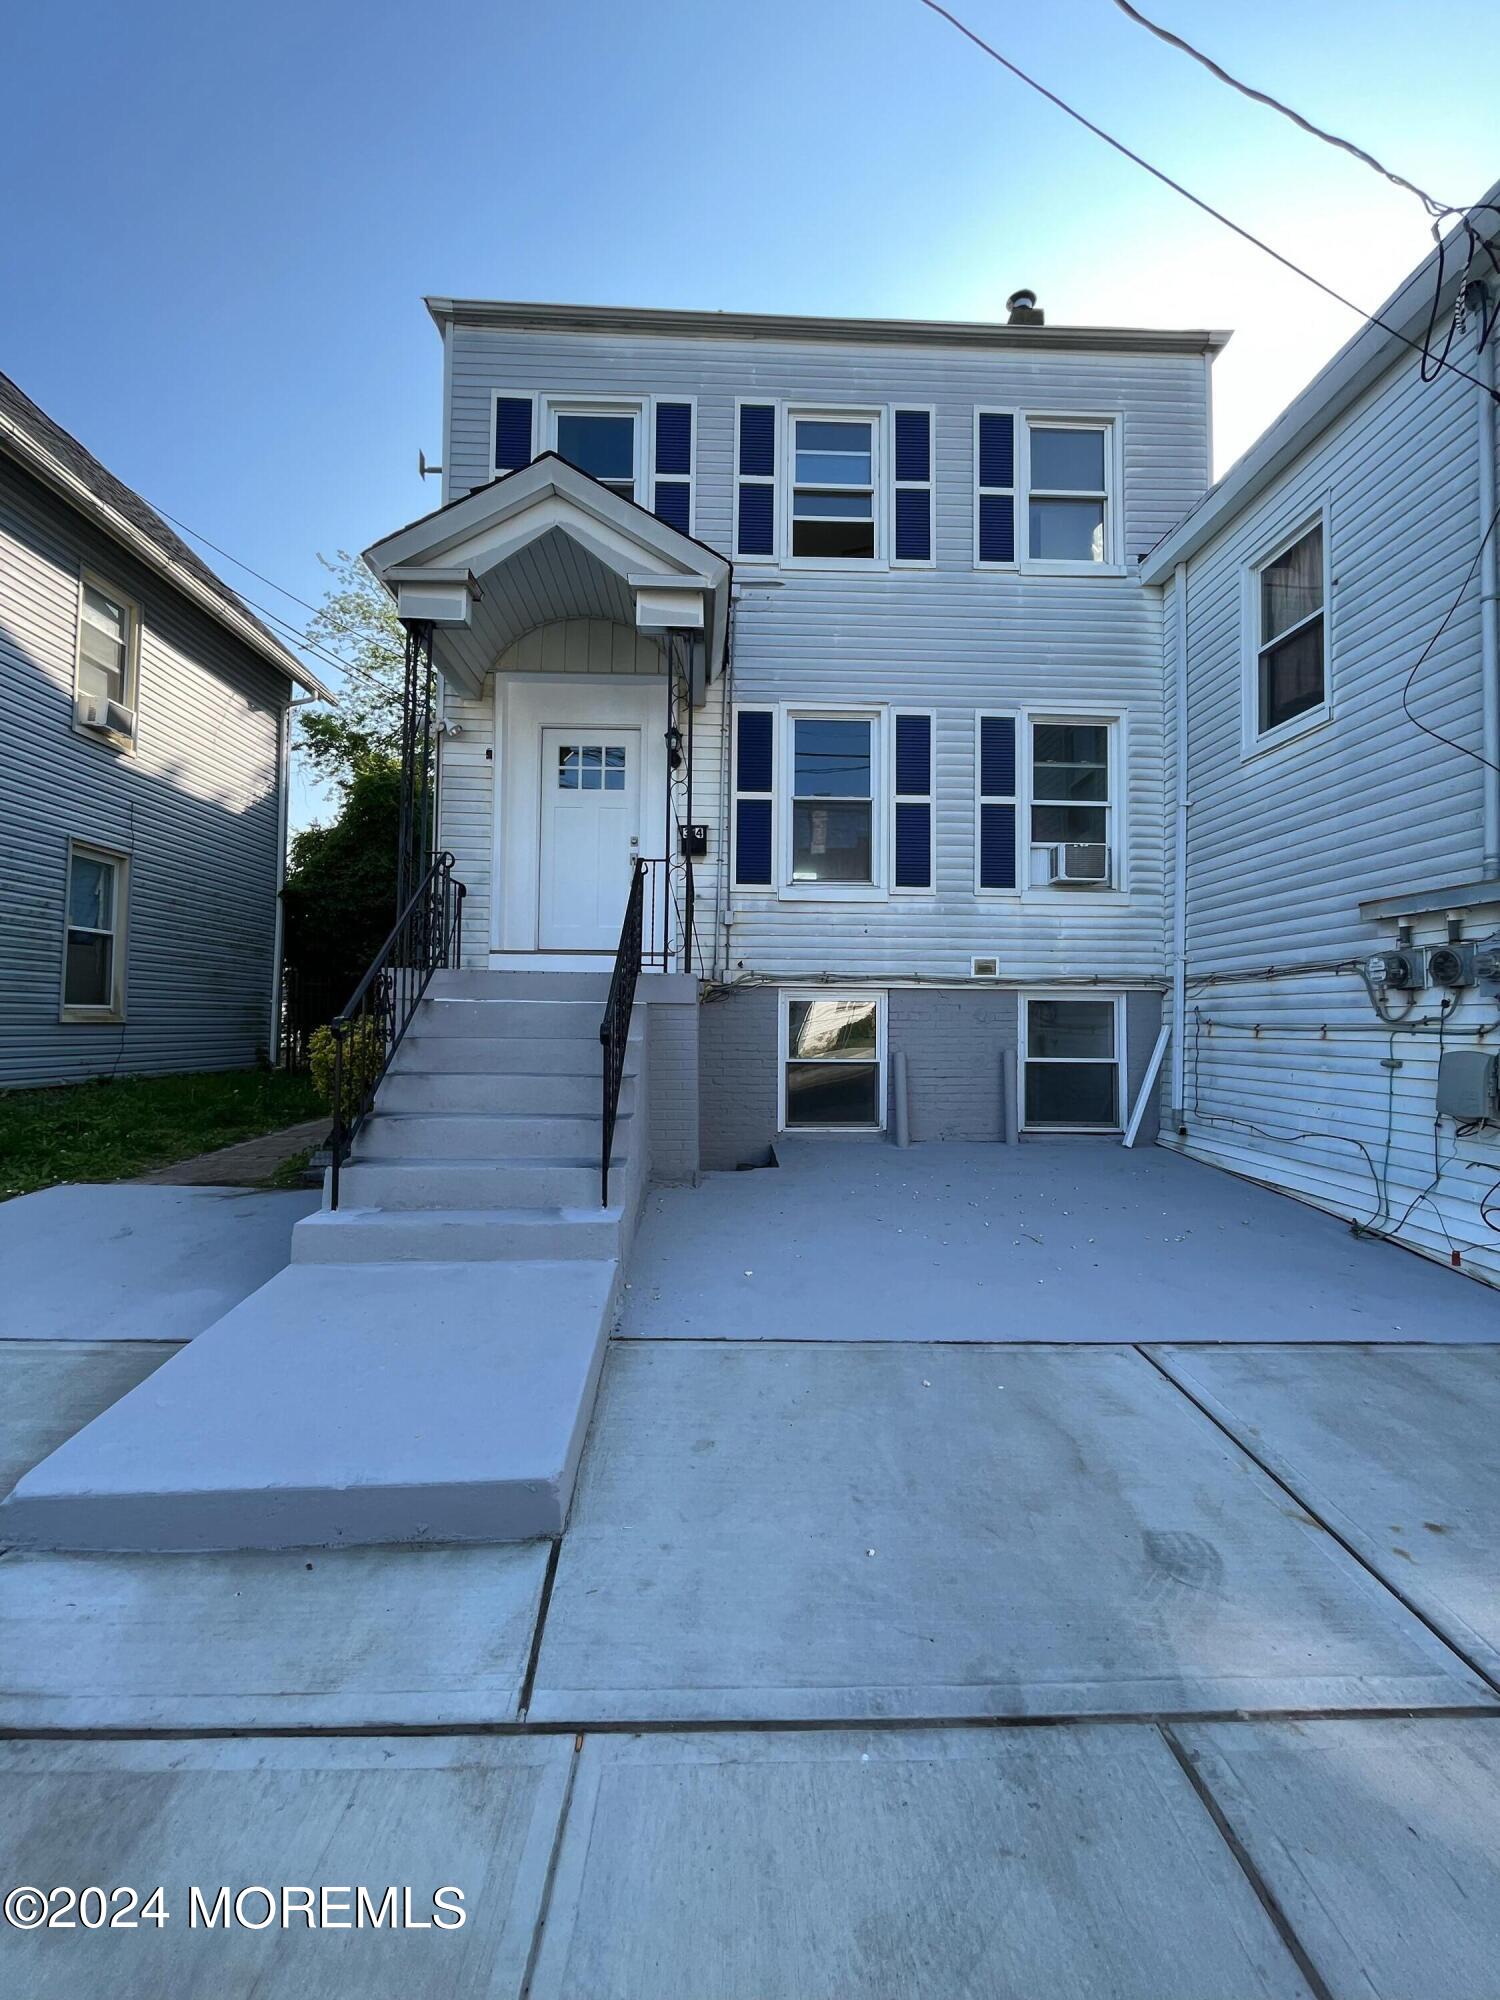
<point>143,813</point>
<point>1340,796</point>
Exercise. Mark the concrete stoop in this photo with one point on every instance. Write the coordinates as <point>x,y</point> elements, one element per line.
<point>425,1369</point>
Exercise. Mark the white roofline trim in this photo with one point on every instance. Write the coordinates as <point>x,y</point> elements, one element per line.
<point>25,449</point>
<point>1359,363</point>
<point>690,325</point>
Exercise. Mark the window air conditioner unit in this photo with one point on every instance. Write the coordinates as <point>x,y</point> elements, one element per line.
<point>1079,861</point>
<point>112,718</point>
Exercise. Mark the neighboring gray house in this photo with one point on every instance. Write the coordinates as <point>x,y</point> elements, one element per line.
<point>1340,797</point>
<point>915,711</point>
<point>144,719</point>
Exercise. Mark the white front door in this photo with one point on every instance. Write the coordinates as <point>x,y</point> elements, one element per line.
<point>590,828</point>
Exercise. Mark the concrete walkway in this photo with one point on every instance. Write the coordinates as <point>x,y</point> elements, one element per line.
<point>249,1163</point>
<point>1074,1240</point>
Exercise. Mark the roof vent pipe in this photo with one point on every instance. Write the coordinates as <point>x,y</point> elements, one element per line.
<point>1024,310</point>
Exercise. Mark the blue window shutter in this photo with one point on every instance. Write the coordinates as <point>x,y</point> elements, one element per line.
<point>913,524</point>
<point>913,801</point>
<point>757,440</point>
<point>997,756</point>
<point>913,844</point>
<point>753,771</point>
<point>914,446</point>
<point>997,448</point>
<point>757,520</point>
<point>996,482</point>
<point>997,527</point>
<point>997,808</point>
<point>997,847</point>
<point>755,456</point>
<point>674,440</point>
<point>752,843</point>
<point>913,756</point>
<point>512,432</point>
<point>673,503</point>
<point>912,477</point>
<point>753,766</point>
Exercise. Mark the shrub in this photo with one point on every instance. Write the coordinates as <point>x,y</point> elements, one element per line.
<point>364,1058</point>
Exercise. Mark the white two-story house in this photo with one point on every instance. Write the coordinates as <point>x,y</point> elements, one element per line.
<point>842,619</point>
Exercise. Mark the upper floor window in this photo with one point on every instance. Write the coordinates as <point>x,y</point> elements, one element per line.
<point>1069,492</point>
<point>833,488</point>
<point>1290,650</point>
<point>108,647</point>
<point>603,442</point>
<point>833,799</point>
<point>1070,802</point>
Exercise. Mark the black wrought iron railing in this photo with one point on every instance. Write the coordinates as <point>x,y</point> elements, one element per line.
<point>614,1029</point>
<point>428,936</point>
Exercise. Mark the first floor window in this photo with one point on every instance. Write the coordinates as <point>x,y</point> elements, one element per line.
<point>1070,802</point>
<point>1069,497</point>
<point>1072,1065</point>
<point>833,488</point>
<point>833,799</point>
<point>91,970</point>
<point>832,1070</point>
<point>1289,676</point>
<point>601,442</point>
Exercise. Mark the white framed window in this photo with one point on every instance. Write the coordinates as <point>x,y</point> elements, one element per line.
<point>832,1061</point>
<point>1071,792</point>
<point>107,663</point>
<point>833,464</point>
<point>1286,619</point>
<point>604,439</point>
<point>1071,480</point>
<point>94,911</point>
<point>833,831</point>
<point>1072,1055</point>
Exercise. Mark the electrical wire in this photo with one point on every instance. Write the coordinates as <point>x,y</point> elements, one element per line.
<point>1198,202</point>
<point>1435,208</point>
<point>1417,665</point>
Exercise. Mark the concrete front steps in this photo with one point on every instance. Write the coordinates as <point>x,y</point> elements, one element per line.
<point>425,1368</point>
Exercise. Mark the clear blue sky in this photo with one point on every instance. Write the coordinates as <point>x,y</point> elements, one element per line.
<point>220,220</point>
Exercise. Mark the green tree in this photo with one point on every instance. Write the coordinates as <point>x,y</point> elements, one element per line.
<point>358,623</point>
<point>340,894</point>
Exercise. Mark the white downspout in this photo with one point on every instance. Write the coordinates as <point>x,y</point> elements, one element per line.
<point>1179,841</point>
<point>1489,602</point>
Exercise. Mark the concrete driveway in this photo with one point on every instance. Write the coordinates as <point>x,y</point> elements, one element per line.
<point>876,1668</point>
<point>1069,1239</point>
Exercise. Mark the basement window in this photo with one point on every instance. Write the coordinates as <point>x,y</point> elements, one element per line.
<point>832,1062</point>
<point>1070,1063</point>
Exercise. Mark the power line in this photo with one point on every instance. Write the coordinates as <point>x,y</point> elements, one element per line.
<point>1436,734</point>
<point>1435,208</point>
<point>1218,215</point>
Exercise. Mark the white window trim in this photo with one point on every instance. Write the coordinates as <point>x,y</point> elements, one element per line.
<point>1111,424</point>
<point>120,745</point>
<point>737,888</point>
<point>114,1010</point>
<point>771,479</point>
<point>498,397</point>
<point>881,817</point>
<point>1025,716</point>
<point>1255,741</point>
<point>875,415</point>
<point>927,486</point>
<point>786,995</point>
<point>927,798</point>
<point>1024,999</point>
<point>638,407</point>
<point>1018,426</point>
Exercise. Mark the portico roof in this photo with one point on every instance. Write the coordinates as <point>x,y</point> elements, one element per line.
<point>541,545</point>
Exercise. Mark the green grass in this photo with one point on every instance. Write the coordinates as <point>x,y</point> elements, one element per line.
<point>110,1131</point>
